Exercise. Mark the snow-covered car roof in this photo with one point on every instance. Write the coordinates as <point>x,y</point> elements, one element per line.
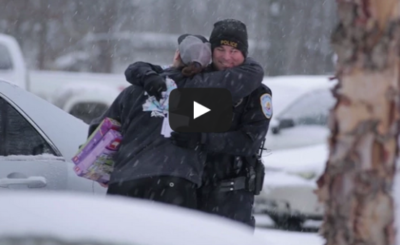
<point>113,220</point>
<point>63,129</point>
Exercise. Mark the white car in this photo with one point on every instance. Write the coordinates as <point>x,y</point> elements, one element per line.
<point>71,219</point>
<point>300,106</point>
<point>12,63</point>
<point>37,143</point>
<point>290,180</point>
<point>297,149</point>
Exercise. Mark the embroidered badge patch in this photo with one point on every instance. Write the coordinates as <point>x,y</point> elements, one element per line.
<point>266,105</point>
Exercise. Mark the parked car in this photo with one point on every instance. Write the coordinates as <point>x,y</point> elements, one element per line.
<point>83,95</point>
<point>290,180</point>
<point>71,219</point>
<point>301,107</point>
<point>297,149</point>
<point>37,143</point>
<point>12,62</point>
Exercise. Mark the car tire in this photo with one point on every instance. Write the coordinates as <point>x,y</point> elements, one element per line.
<point>288,223</point>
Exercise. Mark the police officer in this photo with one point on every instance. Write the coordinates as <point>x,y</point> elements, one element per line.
<point>233,172</point>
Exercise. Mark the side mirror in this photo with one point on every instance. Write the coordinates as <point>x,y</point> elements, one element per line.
<point>286,123</point>
<point>283,123</point>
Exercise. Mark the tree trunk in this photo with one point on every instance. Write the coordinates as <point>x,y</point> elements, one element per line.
<point>43,17</point>
<point>356,187</point>
<point>105,25</point>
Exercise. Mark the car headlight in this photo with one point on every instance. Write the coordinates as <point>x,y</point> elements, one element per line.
<point>306,175</point>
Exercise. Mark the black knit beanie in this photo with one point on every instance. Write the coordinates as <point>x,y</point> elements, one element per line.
<point>232,33</point>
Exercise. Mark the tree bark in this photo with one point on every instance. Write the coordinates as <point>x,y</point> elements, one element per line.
<point>356,187</point>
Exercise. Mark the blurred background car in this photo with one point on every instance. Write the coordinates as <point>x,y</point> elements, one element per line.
<point>296,150</point>
<point>290,180</point>
<point>301,108</point>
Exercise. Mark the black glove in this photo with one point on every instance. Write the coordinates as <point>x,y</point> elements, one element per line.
<point>186,140</point>
<point>129,74</point>
<point>154,85</point>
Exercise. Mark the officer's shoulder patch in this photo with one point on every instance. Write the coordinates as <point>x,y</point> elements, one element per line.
<point>266,105</point>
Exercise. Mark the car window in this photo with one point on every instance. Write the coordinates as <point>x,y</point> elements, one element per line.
<point>5,59</point>
<point>18,136</point>
<point>310,109</point>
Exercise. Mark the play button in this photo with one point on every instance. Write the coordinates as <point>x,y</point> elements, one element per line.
<point>199,110</point>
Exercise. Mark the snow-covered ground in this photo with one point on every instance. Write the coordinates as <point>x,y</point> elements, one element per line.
<point>277,237</point>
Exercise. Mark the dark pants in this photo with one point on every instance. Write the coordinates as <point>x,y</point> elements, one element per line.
<point>234,205</point>
<point>165,189</point>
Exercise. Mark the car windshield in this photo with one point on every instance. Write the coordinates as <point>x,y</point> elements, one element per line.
<point>310,109</point>
<point>282,97</point>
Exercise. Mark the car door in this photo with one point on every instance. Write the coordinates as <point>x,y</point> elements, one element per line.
<point>303,123</point>
<point>28,159</point>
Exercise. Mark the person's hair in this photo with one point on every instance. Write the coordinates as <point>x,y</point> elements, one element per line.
<point>192,69</point>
